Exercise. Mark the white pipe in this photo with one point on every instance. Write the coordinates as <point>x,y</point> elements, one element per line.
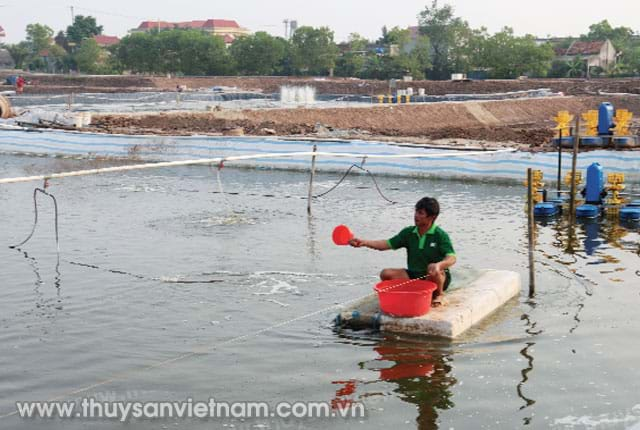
<point>225,159</point>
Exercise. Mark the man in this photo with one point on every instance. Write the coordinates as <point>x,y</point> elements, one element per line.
<point>429,249</point>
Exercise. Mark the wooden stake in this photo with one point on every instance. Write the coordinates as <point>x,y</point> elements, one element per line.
<point>559,187</point>
<point>531,231</point>
<point>313,172</point>
<point>574,162</point>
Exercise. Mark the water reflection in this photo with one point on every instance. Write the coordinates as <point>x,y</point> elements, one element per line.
<point>45,307</point>
<point>419,371</point>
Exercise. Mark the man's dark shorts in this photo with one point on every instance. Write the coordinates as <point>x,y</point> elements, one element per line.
<point>416,275</point>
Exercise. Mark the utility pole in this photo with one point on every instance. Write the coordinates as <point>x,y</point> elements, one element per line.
<point>73,18</point>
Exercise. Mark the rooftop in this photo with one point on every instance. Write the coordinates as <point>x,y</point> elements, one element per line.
<point>104,40</point>
<point>585,48</point>
<point>197,24</point>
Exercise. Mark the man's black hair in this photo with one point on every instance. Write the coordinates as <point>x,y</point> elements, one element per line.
<point>429,205</point>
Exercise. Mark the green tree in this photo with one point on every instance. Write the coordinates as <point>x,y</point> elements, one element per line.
<point>139,53</point>
<point>58,59</point>
<point>619,36</point>
<point>630,63</point>
<point>313,50</point>
<point>83,27</point>
<point>357,42</point>
<point>38,37</point>
<point>88,56</point>
<point>448,36</point>
<point>576,67</point>
<point>259,54</point>
<point>351,62</point>
<point>190,52</point>
<point>62,41</point>
<point>398,36</point>
<point>19,52</point>
<point>559,69</point>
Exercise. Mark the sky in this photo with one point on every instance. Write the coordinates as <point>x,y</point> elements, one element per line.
<point>366,17</point>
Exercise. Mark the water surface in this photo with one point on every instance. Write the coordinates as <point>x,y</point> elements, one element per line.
<point>160,265</point>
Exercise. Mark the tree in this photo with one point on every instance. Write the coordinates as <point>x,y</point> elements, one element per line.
<point>191,52</point>
<point>619,36</point>
<point>83,27</point>
<point>88,56</point>
<point>630,63</point>
<point>19,52</point>
<point>357,42</point>
<point>62,41</point>
<point>313,50</point>
<point>259,54</point>
<point>38,37</point>
<point>58,59</point>
<point>448,36</point>
<point>576,68</point>
<point>508,56</point>
<point>397,36</point>
<point>351,62</point>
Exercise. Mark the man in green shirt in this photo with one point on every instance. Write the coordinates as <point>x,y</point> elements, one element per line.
<point>429,249</point>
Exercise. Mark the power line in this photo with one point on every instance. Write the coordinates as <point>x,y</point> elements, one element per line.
<point>102,12</point>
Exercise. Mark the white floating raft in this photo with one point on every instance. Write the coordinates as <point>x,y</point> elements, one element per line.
<point>466,307</point>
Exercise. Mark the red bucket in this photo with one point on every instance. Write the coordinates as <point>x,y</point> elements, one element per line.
<point>404,297</point>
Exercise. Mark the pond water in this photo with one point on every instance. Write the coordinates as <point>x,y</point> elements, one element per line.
<point>174,101</point>
<point>164,286</point>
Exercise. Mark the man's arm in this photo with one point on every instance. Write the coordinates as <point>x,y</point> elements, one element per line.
<point>379,245</point>
<point>440,266</point>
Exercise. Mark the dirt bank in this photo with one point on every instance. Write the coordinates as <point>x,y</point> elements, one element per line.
<point>63,84</point>
<point>527,121</point>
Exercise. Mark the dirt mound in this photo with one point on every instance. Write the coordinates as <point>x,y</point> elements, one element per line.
<point>527,121</point>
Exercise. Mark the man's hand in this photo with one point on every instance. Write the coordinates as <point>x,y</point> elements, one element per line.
<point>356,243</point>
<point>434,269</point>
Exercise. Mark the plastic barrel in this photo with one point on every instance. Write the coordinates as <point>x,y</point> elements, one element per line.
<point>545,209</point>
<point>630,214</point>
<point>587,211</point>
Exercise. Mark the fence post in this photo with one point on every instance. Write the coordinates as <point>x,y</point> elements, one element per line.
<point>530,223</point>
<point>313,171</point>
<point>574,162</point>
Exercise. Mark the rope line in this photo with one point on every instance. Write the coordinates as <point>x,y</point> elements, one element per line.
<point>35,222</point>
<point>373,178</point>
<point>235,158</point>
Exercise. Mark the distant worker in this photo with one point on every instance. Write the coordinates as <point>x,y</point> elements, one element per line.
<point>19,85</point>
<point>429,250</point>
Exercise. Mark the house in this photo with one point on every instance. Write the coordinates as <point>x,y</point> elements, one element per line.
<point>595,53</point>
<point>104,41</point>
<point>229,30</point>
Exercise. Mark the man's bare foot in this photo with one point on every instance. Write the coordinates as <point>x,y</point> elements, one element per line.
<point>439,301</point>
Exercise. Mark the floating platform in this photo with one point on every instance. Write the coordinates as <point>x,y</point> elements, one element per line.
<point>599,141</point>
<point>467,306</point>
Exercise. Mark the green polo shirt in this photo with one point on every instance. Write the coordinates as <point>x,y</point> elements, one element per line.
<point>431,247</point>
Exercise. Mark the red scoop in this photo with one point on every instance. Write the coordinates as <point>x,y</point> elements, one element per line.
<point>342,235</point>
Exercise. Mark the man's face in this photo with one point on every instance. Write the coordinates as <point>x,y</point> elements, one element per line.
<point>421,218</point>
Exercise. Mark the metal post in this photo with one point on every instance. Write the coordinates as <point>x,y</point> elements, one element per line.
<point>574,162</point>
<point>559,165</point>
<point>313,172</point>
<point>530,222</point>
